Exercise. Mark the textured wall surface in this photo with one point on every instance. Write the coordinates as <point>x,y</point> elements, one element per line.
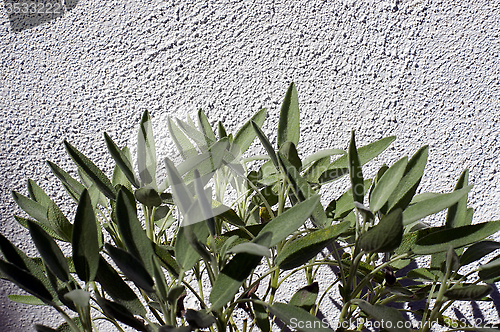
<point>426,71</point>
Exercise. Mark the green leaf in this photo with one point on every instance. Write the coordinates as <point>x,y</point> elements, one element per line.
<point>231,278</point>
<point>305,297</point>
<point>26,299</point>
<point>387,183</point>
<point>34,209</point>
<point>478,251</point>
<point>345,203</point>
<point>131,267</point>
<point>198,319</point>
<point>322,155</point>
<point>26,281</point>
<point>79,297</point>
<point>452,260</point>
<point>433,205</point>
<point>183,144</point>
<point>72,187</point>
<point>468,293</point>
<point>185,255</point>
<point>245,136</point>
<point>289,121</point>
<point>355,171</point>
<point>146,151</point>
<point>206,128</point>
<point>267,145</point>
<point>43,328</point>
<point>59,223</point>
<point>85,240</point>
<point>50,252</point>
<point>19,259</point>
<point>490,271</point>
<point>121,313</point>
<point>365,153</point>
<point>301,250</point>
<point>122,160</point>
<point>289,151</point>
<point>405,190</point>
<point>251,248</point>
<point>118,289</point>
<point>175,293</point>
<point>313,173</point>
<point>385,314</point>
<point>439,241</point>
<point>457,213</point>
<point>303,189</point>
<point>221,130</point>
<point>200,139</point>
<point>160,282</point>
<point>148,196</point>
<point>386,236</point>
<point>290,220</point>
<point>261,315</point>
<point>92,171</point>
<point>297,318</point>
<point>133,235</point>
<point>166,260</point>
<point>66,328</point>
<point>203,201</point>
<point>168,328</point>
<point>182,196</point>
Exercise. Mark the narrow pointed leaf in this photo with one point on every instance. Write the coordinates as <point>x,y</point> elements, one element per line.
<point>122,161</point>
<point>148,196</point>
<point>221,130</point>
<point>387,183</point>
<point>192,132</point>
<point>265,142</point>
<point>166,260</point>
<point>322,154</point>
<point>160,283</point>
<point>386,314</point>
<point>43,328</point>
<point>355,171</point>
<point>289,120</point>
<point>433,205</point>
<point>85,241</point>
<point>175,293</point>
<point>183,144</point>
<point>121,313</point>
<point>290,220</point>
<point>59,223</point>
<point>26,281</point>
<point>365,153</point>
<point>146,151</point>
<point>205,127</point>
<point>468,293</point>
<point>245,136</point>
<point>478,251</point>
<point>181,194</point>
<point>345,203</point>
<point>34,209</point>
<point>198,319</point>
<point>231,278</point>
<point>251,248</point>
<point>386,236</point>
<point>26,299</point>
<point>301,250</point>
<point>305,297</point>
<point>457,213</point>
<point>314,172</point>
<point>185,255</point>
<point>303,189</point>
<point>72,186</point>
<point>457,237</point>
<point>289,151</point>
<point>131,267</point>
<point>50,251</point>
<point>92,171</point>
<point>261,315</point>
<point>133,235</point>
<point>120,292</point>
<point>297,318</point>
<point>405,190</point>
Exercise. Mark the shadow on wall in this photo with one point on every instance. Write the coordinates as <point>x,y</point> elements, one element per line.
<point>26,14</point>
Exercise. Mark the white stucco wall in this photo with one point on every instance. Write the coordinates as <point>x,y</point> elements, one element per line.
<point>426,71</point>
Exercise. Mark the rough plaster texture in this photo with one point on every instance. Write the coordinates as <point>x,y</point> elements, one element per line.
<point>426,71</point>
